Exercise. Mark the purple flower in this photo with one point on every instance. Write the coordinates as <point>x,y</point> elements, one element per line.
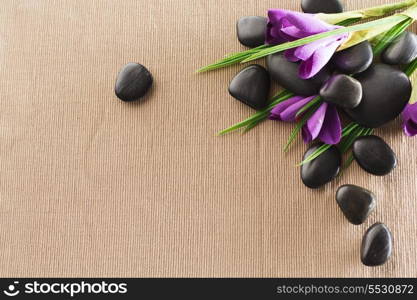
<point>286,111</point>
<point>409,116</point>
<point>285,26</point>
<point>324,124</point>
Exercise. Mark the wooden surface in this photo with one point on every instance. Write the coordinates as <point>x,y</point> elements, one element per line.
<point>91,186</point>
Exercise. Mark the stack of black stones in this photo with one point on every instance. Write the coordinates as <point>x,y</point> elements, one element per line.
<point>371,94</point>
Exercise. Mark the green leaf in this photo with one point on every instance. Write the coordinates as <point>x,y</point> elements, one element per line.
<point>411,12</point>
<point>341,19</point>
<point>409,70</point>
<point>395,19</point>
<point>371,12</point>
<point>348,22</point>
<point>232,59</point>
<point>385,39</point>
<point>244,123</point>
<point>368,34</point>
<point>253,125</point>
<point>323,148</point>
<point>308,106</point>
<point>260,115</point>
<point>345,145</point>
<point>298,127</point>
<point>349,128</point>
<point>351,137</point>
<point>238,57</point>
<point>349,160</point>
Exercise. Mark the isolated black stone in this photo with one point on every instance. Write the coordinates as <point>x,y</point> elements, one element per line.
<point>285,73</point>
<point>402,51</point>
<point>251,31</point>
<point>342,90</point>
<point>355,202</point>
<point>385,93</point>
<point>374,155</point>
<point>355,59</point>
<point>376,246</point>
<point>251,86</point>
<point>321,6</point>
<point>133,82</point>
<point>322,169</point>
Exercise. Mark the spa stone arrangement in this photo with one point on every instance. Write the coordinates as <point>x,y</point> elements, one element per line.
<point>327,66</point>
<point>327,63</point>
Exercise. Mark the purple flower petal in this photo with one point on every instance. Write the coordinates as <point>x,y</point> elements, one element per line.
<point>318,60</point>
<point>289,114</point>
<point>410,128</point>
<point>286,111</point>
<point>312,128</point>
<point>331,131</point>
<point>279,108</point>
<point>308,23</point>
<point>290,55</point>
<point>410,112</point>
<point>285,26</point>
<point>276,15</point>
<point>409,116</point>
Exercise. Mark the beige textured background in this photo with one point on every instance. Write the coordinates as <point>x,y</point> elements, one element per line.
<point>91,186</point>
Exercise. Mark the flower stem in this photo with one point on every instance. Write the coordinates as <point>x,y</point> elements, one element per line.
<point>372,12</point>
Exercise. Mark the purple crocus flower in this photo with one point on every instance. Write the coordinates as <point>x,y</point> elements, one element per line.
<point>285,26</point>
<point>286,110</point>
<point>409,116</point>
<point>324,124</point>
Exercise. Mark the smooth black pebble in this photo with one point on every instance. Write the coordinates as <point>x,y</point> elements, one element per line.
<point>133,82</point>
<point>285,73</point>
<point>355,202</point>
<point>402,51</point>
<point>355,59</point>
<point>385,93</point>
<point>251,31</point>
<point>342,90</point>
<point>251,86</point>
<point>321,6</point>
<point>376,246</point>
<point>374,155</point>
<point>322,169</point>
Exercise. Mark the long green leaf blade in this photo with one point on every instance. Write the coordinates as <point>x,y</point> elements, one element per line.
<point>298,127</point>
<point>323,148</point>
<point>409,70</point>
<point>262,114</point>
<point>300,42</point>
<point>232,59</point>
<point>390,36</point>
<point>308,106</point>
